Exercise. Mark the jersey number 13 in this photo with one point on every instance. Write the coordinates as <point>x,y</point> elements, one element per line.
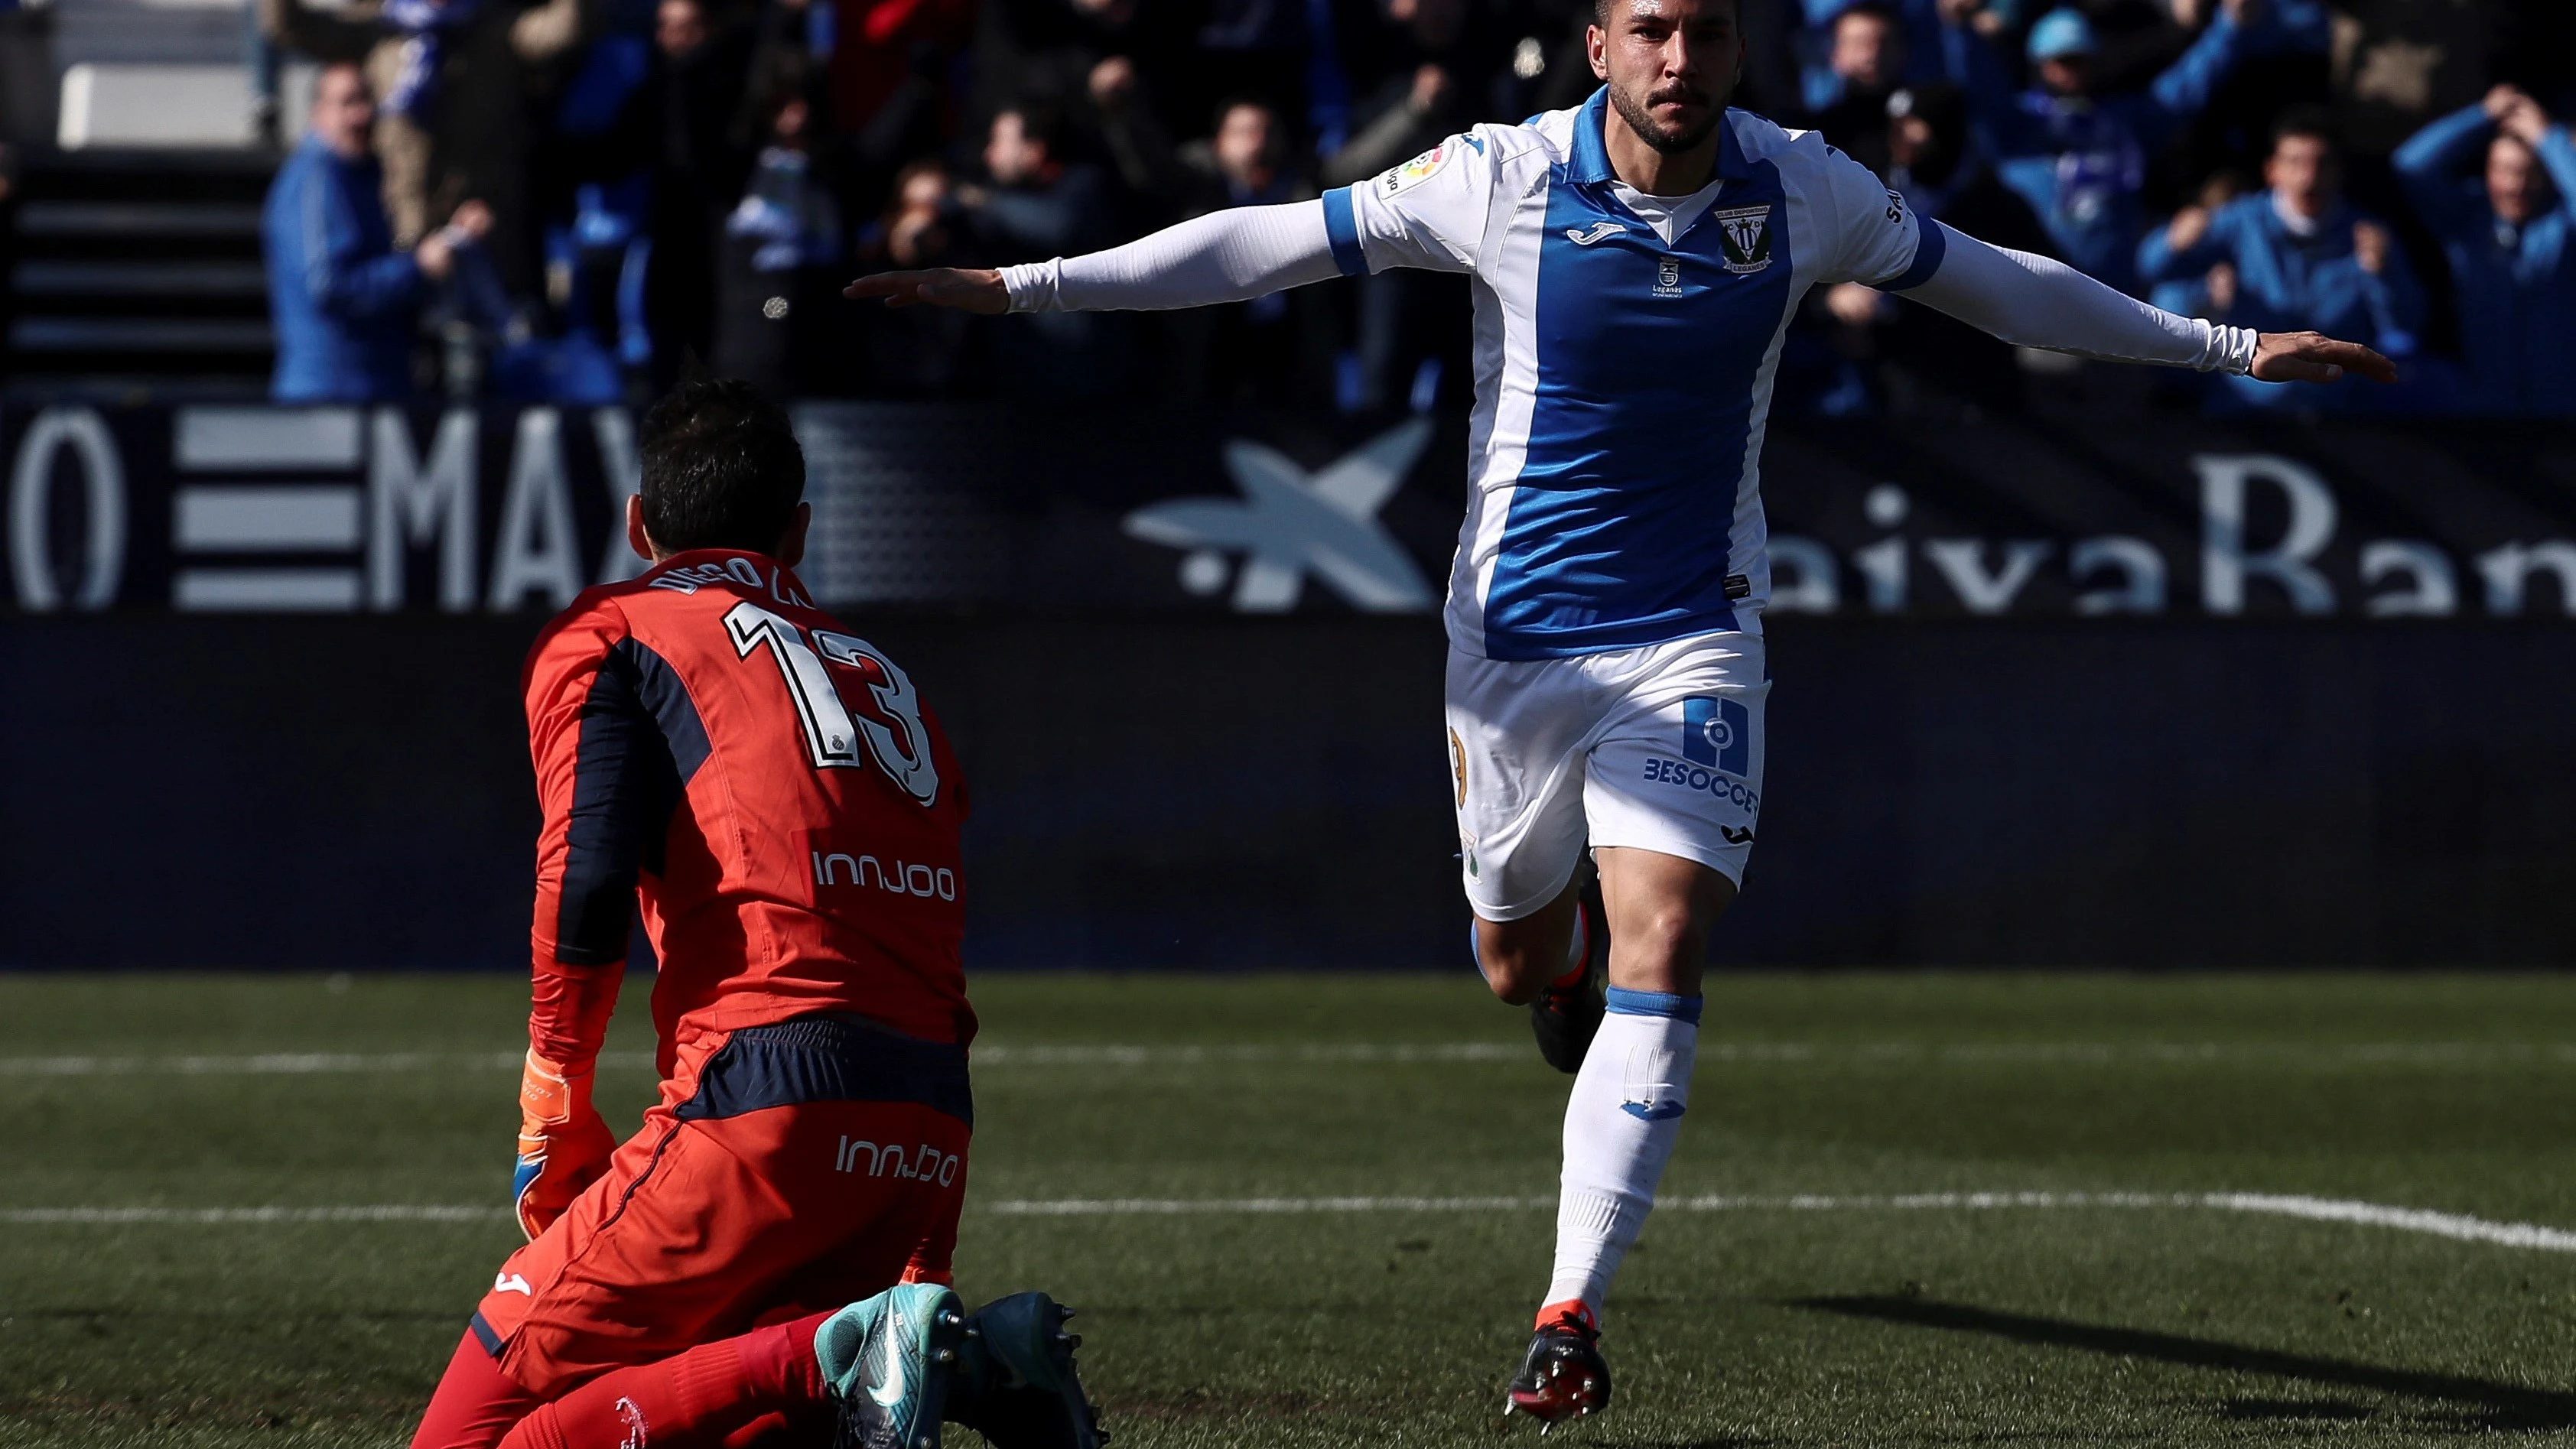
<point>833,734</point>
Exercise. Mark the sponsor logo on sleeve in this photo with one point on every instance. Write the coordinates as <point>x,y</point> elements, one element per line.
<point>1416,171</point>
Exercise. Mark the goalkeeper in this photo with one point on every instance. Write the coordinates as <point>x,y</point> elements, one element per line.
<point>770,1254</point>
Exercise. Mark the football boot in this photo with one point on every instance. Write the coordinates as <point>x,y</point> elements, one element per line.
<point>887,1362</point>
<point>1562,1377</point>
<point>1016,1384</point>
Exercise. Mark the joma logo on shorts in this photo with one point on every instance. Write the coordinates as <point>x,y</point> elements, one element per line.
<point>898,878</point>
<point>928,1164</point>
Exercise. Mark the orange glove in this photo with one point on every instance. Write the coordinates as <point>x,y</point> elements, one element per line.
<point>563,1144</point>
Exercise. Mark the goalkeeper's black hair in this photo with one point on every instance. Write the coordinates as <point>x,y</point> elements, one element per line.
<point>722,468</point>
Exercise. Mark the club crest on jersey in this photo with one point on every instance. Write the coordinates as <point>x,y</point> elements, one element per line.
<point>1744,234</point>
<point>1668,276</point>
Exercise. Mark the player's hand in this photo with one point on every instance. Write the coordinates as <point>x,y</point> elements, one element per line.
<point>972,291</point>
<point>2315,357</point>
<point>563,1145</point>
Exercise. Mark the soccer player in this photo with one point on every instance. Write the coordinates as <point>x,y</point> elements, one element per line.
<point>1636,261</point>
<point>770,1253</point>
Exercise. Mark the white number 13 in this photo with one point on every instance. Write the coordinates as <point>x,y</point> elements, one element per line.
<point>832,734</point>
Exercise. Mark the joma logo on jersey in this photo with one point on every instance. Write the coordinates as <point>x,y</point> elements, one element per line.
<point>1744,234</point>
<point>929,1164</point>
<point>1718,733</point>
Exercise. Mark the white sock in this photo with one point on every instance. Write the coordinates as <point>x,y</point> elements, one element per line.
<point>1620,1126</point>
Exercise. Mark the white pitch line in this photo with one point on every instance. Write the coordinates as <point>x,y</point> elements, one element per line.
<point>363,1213</point>
<point>1003,1054</point>
<point>2457,1226</point>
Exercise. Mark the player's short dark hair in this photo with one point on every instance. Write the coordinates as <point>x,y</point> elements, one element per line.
<point>1601,12</point>
<point>2314,123</point>
<point>721,468</point>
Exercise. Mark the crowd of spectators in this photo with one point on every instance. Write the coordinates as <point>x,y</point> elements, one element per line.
<point>576,199</point>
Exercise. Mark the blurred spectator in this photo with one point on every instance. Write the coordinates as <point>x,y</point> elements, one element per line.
<point>886,60</point>
<point>914,351</point>
<point>1251,351</point>
<point>1924,41</point>
<point>2079,157</point>
<point>1426,90</point>
<point>346,304</point>
<point>2510,237</point>
<point>1925,361</point>
<point>2212,294</point>
<point>455,77</point>
<point>1868,59</point>
<point>2303,260</point>
<point>684,124</point>
<point>1040,205</point>
<point>781,264</point>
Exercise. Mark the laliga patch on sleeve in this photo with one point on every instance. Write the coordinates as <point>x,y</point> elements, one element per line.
<point>1413,173</point>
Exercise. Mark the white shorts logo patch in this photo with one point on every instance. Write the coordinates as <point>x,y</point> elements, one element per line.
<point>1744,234</point>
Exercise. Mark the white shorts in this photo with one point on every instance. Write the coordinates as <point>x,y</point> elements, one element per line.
<point>1658,748</point>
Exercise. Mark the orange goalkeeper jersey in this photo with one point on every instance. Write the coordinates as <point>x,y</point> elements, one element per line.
<point>767,787</point>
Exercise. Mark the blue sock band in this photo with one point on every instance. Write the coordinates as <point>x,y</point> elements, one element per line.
<point>1654,1003</point>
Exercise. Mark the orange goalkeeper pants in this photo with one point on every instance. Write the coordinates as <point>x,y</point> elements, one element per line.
<point>788,1170</point>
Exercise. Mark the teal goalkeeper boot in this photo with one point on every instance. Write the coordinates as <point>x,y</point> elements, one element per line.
<point>1016,1384</point>
<point>888,1360</point>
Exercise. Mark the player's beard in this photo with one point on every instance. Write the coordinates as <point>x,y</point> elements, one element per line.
<point>1640,116</point>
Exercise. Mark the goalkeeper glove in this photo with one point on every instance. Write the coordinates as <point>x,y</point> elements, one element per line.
<point>563,1144</point>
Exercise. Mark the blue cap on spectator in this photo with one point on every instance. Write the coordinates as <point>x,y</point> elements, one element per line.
<point>2061,33</point>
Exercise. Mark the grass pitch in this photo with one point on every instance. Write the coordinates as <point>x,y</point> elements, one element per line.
<point>1123,1122</point>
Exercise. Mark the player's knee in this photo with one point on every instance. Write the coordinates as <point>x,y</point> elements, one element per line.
<point>1512,970</point>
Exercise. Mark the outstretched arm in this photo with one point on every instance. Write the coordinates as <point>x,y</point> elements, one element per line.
<point>2034,302</point>
<point>1429,212</point>
<point>1224,256</point>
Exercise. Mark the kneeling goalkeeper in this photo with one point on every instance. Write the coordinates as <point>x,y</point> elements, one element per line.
<point>767,1260</point>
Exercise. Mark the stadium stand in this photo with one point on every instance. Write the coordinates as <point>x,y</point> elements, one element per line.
<point>687,178</point>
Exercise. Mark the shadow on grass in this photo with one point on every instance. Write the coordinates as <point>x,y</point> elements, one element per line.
<point>2493,1405</point>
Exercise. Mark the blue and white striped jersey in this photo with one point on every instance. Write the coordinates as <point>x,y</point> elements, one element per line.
<point>1622,382</point>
